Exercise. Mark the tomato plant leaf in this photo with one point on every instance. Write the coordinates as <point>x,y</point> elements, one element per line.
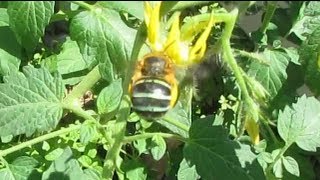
<point>110,97</point>
<point>64,167</point>
<point>291,165</point>
<point>21,168</point>
<point>133,8</point>
<point>10,49</point>
<point>28,20</point>
<point>158,147</point>
<point>301,123</point>
<point>308,20</point>
<point>177,114</point>
<point>273,75</point>
<point>4,18</point>
<point>102,36</point>
<point>187,172</point>
<point>134,170</point>
<point>310,55</point>
<point>87,132</point>
<point>30,102</point>
<point>209,146</point>
<point>70,62</point>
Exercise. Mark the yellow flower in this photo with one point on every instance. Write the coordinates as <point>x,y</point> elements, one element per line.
<point>178,44</point>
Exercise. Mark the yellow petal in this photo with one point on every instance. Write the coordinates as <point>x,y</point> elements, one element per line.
<point>152,18</point>
<point>252,128</point>
<point>198,50</point>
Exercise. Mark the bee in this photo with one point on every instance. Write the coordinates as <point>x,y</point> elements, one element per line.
<point>153,87</point>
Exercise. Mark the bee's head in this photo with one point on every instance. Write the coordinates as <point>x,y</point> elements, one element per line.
<point>154,66</point>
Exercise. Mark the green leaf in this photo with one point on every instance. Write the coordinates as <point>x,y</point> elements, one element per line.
<point>10,50</point>
<point>54,154</point>
<point>291,165</point>
<point>110,97</point>
<point>30,102</point>
<point>134,170</point>
<point>70,63</point>
<point>278,169</point>
<point>87,132</point>
<point>177,114</point>
<point>4,18</point>
<point>92,174</point>
<point>133,8</point>
<point>103,37</point>
<point>186,172</point>
<point>28,20</point>
<point>159,147</point>
<point>308,21</point>
<point>85,161</point>
<point>309,53</point>
<point>209,146</point>
<point>273,75</point>
<point>64,167</point>
<point>301,123</point>
<point>20,169</point>
<point>140,145</point>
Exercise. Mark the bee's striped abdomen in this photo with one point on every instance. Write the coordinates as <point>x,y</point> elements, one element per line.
<point>151,97</point>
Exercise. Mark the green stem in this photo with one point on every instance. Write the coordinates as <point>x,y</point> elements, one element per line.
<point>225,41</point>
<point>39,139</point>
<point>150,135</point>
<point>78,111</point>
<point>84,5</point>
<point>273,136</point>
<point>176,123</point>
<point>88,81</point>
<point>271,7</point>
<point>283,150</point>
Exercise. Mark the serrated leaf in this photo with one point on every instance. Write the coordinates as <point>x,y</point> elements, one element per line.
<point>309,52</point>
<point>209,146</point>
<point>177,114</point>
<point>134,170</point>
<point>291,165</point>
<point>10,50</point>
<point>30,102</point>
<point>308,20</point>
<point>87,132</point>
<point>186,172</point>
<point>102,36</point>
<point>70,63</point>
<point>54,154</point>
<point>301,123</point>
<point>158,147</point>
<point>273,75</point>
<point>28,20</point>
<point>133,8</point>
<point>22,167</point>
<point>64,167</point>
<point>110,97</point>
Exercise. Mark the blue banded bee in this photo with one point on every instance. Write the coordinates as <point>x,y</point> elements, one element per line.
<point>153,87</point>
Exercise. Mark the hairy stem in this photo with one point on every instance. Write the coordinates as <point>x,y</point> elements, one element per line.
<point>39,139</point>
<point>88,81</point>
<point>271,7</point>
